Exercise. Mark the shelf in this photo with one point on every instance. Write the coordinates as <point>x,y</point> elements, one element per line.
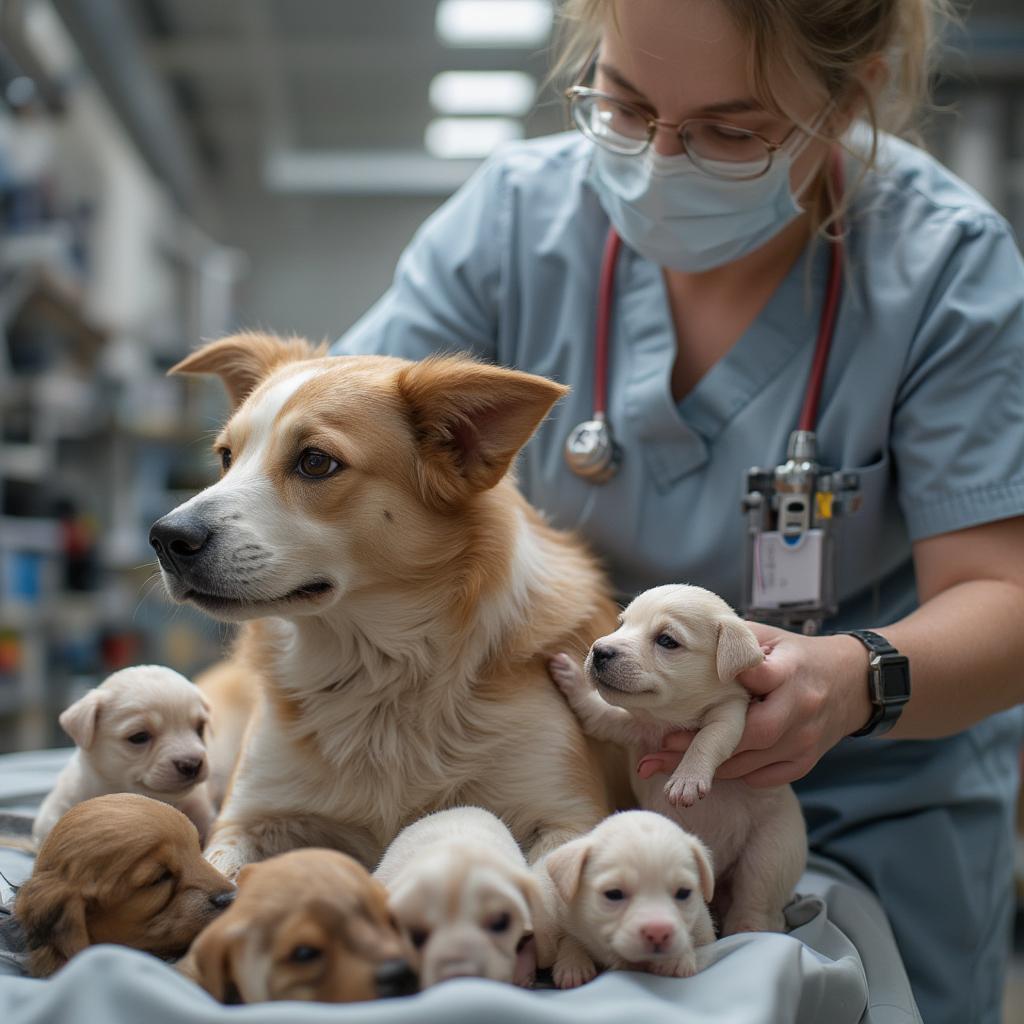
<point>27,533</point>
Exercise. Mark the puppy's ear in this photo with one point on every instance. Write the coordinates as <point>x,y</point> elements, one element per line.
<point>705,871</point>
<point>738,648</point>
<point>565,866</point>
<point>79,720</point>
<point>470,420</point>
<point>52,916</point>
<point>208,961</point>
<point>243,360</point>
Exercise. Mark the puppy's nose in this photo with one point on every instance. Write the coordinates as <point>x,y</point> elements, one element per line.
<point>395,978</point>
<point>176,539</point>
<point>602,654</point>
<point>190,767</point>
<point>657,934</point>
<point>223,899</point>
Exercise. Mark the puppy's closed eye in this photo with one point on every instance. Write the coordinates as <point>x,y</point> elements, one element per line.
<point>138,738</point>
<point>500,923</point>
<point>670,643</point>
<point>162,878</point>
<point>418,937</point>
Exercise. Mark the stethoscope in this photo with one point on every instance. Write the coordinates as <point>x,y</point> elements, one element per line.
<point>591,451</point>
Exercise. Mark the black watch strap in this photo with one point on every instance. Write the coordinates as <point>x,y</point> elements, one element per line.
<point>888,681</point>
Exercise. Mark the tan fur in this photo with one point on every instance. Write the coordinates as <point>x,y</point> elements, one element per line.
<point>417,679</point>
<point>120,868</point>
<point>231,688</point>
<point>307,925</point>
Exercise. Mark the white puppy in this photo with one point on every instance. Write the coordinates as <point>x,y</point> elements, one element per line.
<point>459,887</point>
<point>139,731</point>
<point>630,894</point>
<point>672,664</point>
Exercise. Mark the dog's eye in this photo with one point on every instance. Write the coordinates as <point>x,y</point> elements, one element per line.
<point>499,924</point>
<point>317,465</point>
<point>664,640</point>
<point>418,937</point>
<point>200,729</point>
<point>682,894</point>
<point>304,954</point>
<point>225,459</point>
<point>614,895</point>
<point>138,738</point>
<point>167,876</point>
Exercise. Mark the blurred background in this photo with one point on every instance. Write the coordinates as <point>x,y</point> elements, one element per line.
<point>172,169</point>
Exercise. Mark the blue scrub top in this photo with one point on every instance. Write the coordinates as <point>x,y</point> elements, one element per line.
<point>924,398</point>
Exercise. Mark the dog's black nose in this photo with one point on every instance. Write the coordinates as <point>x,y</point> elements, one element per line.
<point>177,538</point>
<point>395,978</point>
<point>223,899</point>
<point>189,767</point>
<point>601,655</point>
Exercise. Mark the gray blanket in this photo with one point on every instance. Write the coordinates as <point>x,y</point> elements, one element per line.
<point>838,965</point>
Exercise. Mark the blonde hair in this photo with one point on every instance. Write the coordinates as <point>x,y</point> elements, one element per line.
<point>836,40</point>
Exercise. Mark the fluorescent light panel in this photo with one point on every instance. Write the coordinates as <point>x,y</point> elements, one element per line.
<point>462,138</point>
<point>493,23</point>
<point>510,93</point>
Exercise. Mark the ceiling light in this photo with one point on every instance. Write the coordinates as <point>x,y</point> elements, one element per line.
<point>490,23</point>
<point>456,138</point>
<point>483,92</point>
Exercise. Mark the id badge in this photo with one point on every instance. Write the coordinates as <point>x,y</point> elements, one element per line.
<point>787,572</point>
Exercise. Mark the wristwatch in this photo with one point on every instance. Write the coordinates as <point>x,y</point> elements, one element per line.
<point>888,681</point>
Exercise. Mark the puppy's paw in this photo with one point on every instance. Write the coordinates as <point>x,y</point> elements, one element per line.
<point>228,860</point>
<point>567,674</point>
<point>682,967</point>
<point>573,969</point>
<point>686,790</point>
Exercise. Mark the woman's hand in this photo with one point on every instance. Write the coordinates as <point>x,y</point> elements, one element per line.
<point>809,693</point>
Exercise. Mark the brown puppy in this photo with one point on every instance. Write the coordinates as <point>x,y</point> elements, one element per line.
<point>312,925</point>
<point>119,868</point>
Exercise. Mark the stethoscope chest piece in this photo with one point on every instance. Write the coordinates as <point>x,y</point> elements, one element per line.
<point>591,451</point>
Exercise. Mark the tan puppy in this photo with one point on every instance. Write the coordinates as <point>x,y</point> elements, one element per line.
<point>310,925</point>
<point>460,889</point>
<point>672,664</point>
<point>631,894</point>
<point>400,599</point>
<point>140,731</point>
<point>119,868</point>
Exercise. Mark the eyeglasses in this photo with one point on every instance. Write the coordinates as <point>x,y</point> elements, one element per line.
<point>716,149</point>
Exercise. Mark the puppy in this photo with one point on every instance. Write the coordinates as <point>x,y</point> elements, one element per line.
<point>140,731</point>
<point>460,889</point>
<point>631,894</point>
<point>368,536</point>
<point>672,664</point>
<point>120,868</point>
<point>311,925</point>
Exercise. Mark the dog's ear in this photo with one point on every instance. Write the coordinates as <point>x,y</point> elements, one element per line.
<point>738,648</point>
<point>52,916</point>
<point>243,360</point>
<point>79,720</point>
<point>470,420</point>
<point>705,870</point>
<point>208,961</point>
<point>565,867</point>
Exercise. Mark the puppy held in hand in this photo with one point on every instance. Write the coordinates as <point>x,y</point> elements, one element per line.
<point>311,925</point>
<point>120,868</point>
<point>140,731</point>
<point>672,664</point>
<point>631,894</point>
<point>460,888</point>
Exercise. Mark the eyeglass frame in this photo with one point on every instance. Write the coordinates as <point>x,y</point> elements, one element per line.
<point>576,92</point>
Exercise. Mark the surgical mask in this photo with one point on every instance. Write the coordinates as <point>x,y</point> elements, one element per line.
<point>678,216</point>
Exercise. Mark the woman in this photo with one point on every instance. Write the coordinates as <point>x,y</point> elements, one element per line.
<point>710,151</point>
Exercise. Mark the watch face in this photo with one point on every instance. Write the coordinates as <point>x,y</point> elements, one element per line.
<point>895,679</point>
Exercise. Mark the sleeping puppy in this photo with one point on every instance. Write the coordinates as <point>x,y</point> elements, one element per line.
<point>631,894</point>
<point>140,731</point>
<point>120,868</point>
<point>460,888</point>
<point>311,925</point>
<point>672,664</point>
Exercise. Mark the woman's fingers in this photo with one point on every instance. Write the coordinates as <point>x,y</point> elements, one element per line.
<point>673,746</point>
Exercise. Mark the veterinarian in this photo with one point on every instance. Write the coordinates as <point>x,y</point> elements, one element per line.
<point>717,298</point>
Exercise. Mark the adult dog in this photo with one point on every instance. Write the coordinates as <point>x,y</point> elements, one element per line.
<point>401,599</point>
